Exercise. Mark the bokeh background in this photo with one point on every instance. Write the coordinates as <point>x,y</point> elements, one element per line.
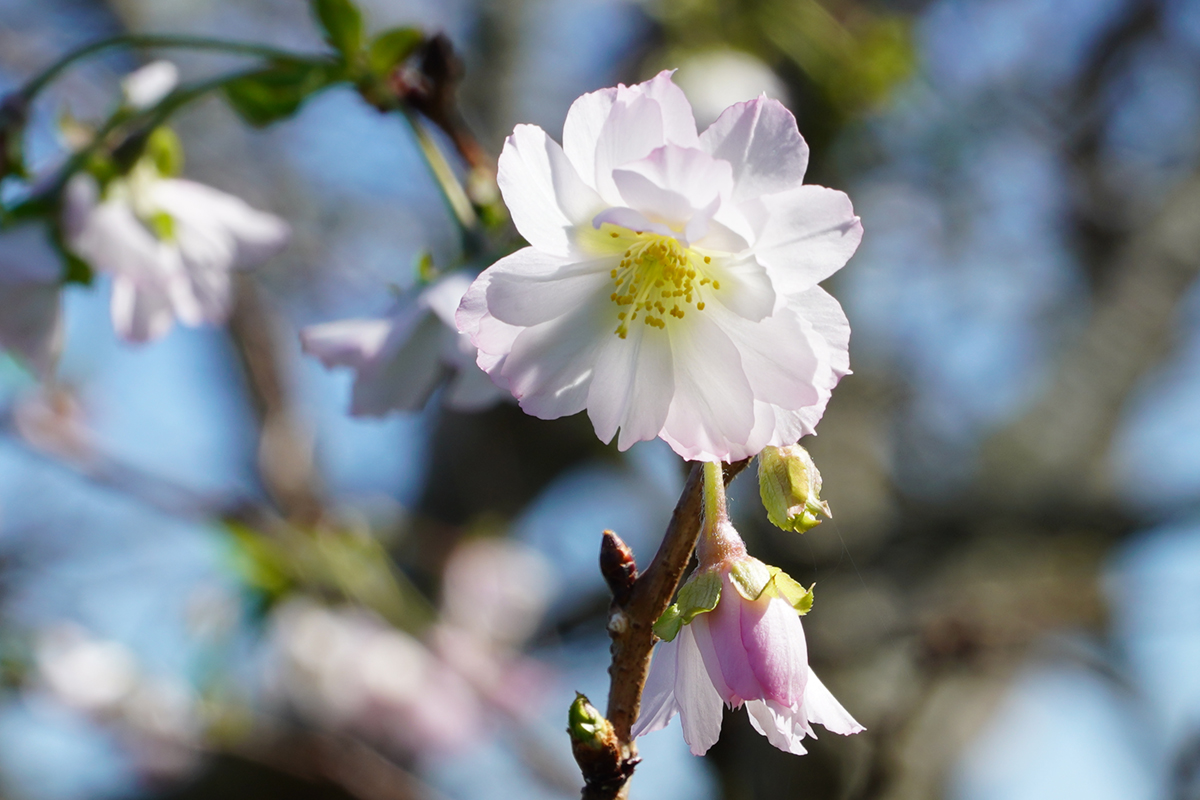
<point>1008,596</point>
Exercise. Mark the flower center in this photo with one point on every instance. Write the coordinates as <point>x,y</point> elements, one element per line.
<point>658,278</point>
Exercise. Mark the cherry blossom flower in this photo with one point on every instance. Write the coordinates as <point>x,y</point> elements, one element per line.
<point>169,245</point>
<point>735,639</point>
<point>671,283</point>
<point>30,306</point>
<point>400,361</point>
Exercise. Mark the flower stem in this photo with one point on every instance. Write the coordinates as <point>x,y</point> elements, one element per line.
<point>715,508</point>
<point>452,191</point>
<point>39,82</point>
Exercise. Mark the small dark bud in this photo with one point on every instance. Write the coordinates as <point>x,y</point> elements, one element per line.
<point>617,566</point>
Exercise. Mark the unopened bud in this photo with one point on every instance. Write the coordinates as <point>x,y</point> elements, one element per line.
<point>790,486</point>
<point>588,727</point>
<point>617,566</point>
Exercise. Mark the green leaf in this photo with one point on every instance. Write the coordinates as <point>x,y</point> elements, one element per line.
<point>276,92</point>
<point>750,576</point>
<point>391,48</point>
<point>342,23</point>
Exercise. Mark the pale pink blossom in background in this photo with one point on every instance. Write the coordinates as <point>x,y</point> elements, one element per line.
<point>749,652</point>
<point>30,302</point>
<point>670,288</point>
<point>401,360</point>
<point>169,246</point>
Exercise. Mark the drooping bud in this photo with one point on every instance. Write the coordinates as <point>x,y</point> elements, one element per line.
<point>790,486</point>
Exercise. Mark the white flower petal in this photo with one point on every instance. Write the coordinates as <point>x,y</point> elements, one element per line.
<point>777,356</point>
<point>679,125</point>
<point>255,235</point>
<point>760,140</point>
<point>810,233</point>
<point>672,183</point>
<point>581,131</point>
<point>405,372</point>
<point>712,407</point>
<point>633,129</point>
<point>658,696</point>
<point>549,368</point>
<point>778,728</point>
<point>700,706</point>
<point>444,296</point>
<point>746,287</point>
<point>492,337</point>
<point>542,190</point>
<point>350,343</point>
<point>140,313</point>
<point>821,707</point>
<point>632,386</point>
<point>147,85</point>
<point>529,287</point>
<point>630,220</point>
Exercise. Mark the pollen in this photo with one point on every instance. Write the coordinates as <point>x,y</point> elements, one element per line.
<point>659,276</point>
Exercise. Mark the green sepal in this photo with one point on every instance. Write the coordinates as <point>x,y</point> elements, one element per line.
<point>390,49</point>
<point>699,595</point>
<point>277,92</point>
<point>163,225</point>
<point>784,586</point>
<point>165,150</point>
<point>587,726</point>
<point>750,576</point>
<point>343,25</point>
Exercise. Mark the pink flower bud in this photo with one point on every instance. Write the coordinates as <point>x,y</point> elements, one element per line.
<point>744,651</point>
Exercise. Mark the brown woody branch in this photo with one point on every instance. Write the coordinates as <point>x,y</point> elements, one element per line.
<point>637,602</point>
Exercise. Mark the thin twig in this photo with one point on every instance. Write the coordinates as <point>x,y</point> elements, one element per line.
<point>637,603</point>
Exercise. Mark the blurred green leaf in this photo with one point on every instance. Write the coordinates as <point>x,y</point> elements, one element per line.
<point>276,92</point>
<point>342,23</point>
<point>391,48</point>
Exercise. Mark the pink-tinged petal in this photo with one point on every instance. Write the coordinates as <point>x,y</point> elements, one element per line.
<point>631,220</point>
<point>632,386</point>
<point>821,707</point>
<point>405,372</point>
<point>492,337</point>
<point>673,183</point>
<point>760,140</point>
<point>679,124</point>
<point>350,343</point>
<point>529,287</point>
<point>633,129</point>
<point>140,313</point>
<point>581,131</point>
<point>767,719</point>
<point>774,642</point>
<point>712,409</point>
<point>725,625</point>
<point>708,652</point>
<point>810,233</point>
<point>829,324</point>
<point>31,323</point>
<point>658,697</point>
<point>542,190</point>
<point>549,367</point>
<point>700,706</point>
